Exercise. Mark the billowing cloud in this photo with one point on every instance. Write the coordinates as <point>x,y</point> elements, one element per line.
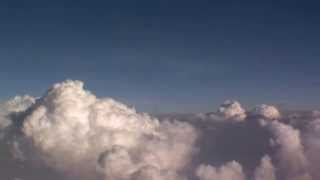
<point>77,133</point>
<point>81,136</point>
<point>266,111</point>
<point>70,134</point>
<point>290,151</point>
<point>230,110</point>
<point>17,104</point>
<point>312,142</point>
<point>266,170</point>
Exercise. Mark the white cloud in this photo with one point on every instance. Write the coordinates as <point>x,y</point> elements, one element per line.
<point>312,142</point>
<point>290,151</point>
<point>71,129</point>
<point>266,111</point>
<point>232,110</point>
<point>17,104</point>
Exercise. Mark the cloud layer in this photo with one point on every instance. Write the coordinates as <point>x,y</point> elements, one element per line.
<point>70,134</point>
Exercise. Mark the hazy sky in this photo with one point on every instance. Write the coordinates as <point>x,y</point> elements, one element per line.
<point>165,56</point>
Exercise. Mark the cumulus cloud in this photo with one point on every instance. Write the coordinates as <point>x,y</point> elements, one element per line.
<point>266,170</point>
<point>77,133</point>
<point>312,142</point>
<point>230,110</point>
<point>15,105</point>
<point>70,134</point>
<point>290,152</point>
<point>266,111</point>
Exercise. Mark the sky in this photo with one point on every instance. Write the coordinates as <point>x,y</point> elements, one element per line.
<point>165,56</point>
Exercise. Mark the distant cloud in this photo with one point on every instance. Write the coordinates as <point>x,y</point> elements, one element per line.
<point>230,110</point>
<point>266,111</point>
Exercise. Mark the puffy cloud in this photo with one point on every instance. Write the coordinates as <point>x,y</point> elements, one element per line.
<point>229,171</point>
<point>232,110</point>
<point>69,133</point>
<point>79,134</point>
<point>266,170</point>
<point>290,152</point>
<point>266,111</point>
<point>15,105</point>
<point>229,111</point>
<point>312,142</point>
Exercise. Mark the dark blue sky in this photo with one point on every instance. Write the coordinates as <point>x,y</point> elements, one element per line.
<point>165,56</point>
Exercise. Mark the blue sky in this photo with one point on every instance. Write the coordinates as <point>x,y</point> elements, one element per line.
<point>165,56</point>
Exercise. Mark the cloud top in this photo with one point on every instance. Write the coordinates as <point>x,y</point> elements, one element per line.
<point>232,110</point>
<point>77,133</point>
<point>267,112</point>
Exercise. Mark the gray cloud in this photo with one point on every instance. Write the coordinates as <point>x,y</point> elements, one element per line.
<point>229,171</point>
